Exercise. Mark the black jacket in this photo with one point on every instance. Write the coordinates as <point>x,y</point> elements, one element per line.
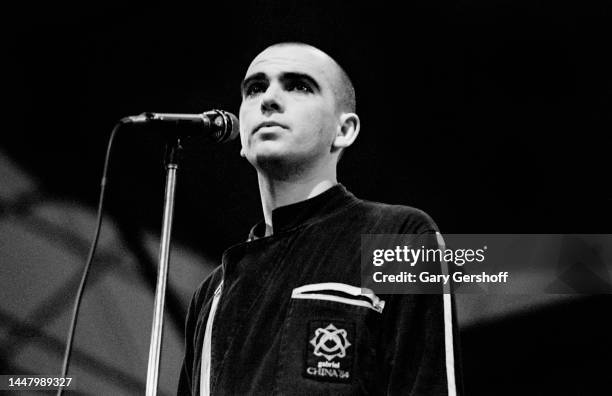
<point>289,319</point>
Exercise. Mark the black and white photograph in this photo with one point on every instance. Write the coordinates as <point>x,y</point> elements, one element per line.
<point>307,198</point>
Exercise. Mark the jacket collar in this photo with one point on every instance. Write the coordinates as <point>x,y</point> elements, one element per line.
<point>305,212</point>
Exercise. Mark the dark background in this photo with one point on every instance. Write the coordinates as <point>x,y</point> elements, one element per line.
<point>492,116</point>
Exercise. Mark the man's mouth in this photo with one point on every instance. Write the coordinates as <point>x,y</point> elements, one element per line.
<point>268,124</point>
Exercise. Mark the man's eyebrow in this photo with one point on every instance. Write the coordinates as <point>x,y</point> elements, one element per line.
<point>287,76</point>
<point>301,76</point>
<point>255,77</point>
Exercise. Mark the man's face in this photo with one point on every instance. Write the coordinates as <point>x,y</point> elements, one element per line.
<point>288,111</point>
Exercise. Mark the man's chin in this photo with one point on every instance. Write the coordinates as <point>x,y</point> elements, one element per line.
<point>267,150</point>
<point>263,157</point>
<point>277,164</point>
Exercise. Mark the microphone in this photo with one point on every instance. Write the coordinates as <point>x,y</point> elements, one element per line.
<point>221,126</point>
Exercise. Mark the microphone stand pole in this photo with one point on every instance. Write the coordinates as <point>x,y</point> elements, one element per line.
<point>173,148</point>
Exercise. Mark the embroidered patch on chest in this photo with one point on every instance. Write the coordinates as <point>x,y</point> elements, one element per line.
<point>329,351</point>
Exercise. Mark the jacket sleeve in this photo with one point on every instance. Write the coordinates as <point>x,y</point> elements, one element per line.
<point>189,377</point>
<point>186,379</point>
<point>416,359</point>
<point>419,341</point>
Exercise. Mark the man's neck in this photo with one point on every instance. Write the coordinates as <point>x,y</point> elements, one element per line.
<point>277,193</point>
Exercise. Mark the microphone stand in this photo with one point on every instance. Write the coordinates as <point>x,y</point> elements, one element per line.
<point>171,157</point>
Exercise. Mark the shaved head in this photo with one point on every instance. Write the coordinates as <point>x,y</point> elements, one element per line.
<point>342,85</point>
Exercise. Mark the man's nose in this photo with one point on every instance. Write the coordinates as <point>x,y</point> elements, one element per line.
<point>271,100</point>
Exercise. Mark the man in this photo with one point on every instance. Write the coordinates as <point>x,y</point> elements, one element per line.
<point>283,314</point>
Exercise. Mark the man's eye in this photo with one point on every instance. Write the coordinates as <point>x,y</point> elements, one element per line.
<point>299,86</point>
<point>254,89</point>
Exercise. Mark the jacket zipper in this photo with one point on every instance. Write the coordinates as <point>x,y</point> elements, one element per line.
<point>207,347</point>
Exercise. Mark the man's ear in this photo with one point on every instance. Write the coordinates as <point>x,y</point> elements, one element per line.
<point>347,132</point>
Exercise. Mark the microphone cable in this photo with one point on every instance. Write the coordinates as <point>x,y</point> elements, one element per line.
<point>92,250</point>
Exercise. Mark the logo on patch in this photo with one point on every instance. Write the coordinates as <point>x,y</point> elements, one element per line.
<point>330,342</point>
<point>329,353</point>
